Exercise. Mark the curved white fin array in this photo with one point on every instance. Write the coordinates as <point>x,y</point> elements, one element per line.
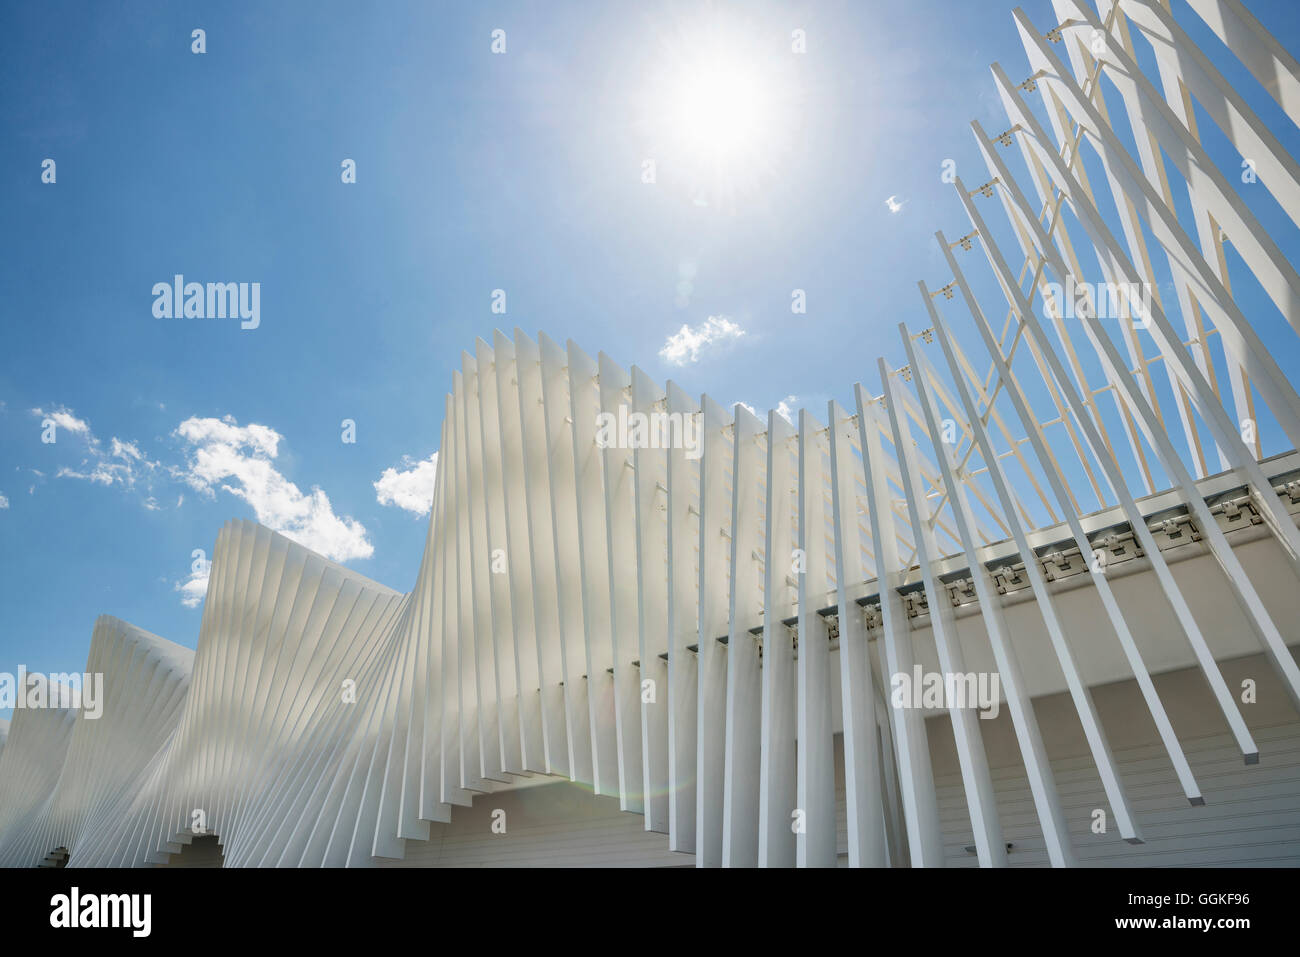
<point>700,614</point>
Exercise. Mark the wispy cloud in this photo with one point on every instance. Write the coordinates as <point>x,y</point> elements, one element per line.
<point>121,464</point>
<point>411,488</point>
<point>895,203</point>
<point>220,455</point>
<point>684,346</point>
<point>240,460</point>
<point>4,502</point>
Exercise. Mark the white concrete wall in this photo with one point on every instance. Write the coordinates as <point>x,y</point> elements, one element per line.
<point>550,825</point>
<point>1251,815</point>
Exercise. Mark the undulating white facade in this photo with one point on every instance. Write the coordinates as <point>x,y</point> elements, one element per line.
<point>704,636</point>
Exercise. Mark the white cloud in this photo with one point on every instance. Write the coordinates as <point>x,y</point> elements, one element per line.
<point>412,487</point>
<point>125,450</point>
<point>4,502</point>
<point>221,450</point>
<point>219,453</point>
<point>786,408</point>
<point>101,475</point>
<point>685,345</point>
<point>196,586</point>
<point>64,419</point>
<point>895,204</point>
<point>123,464</point>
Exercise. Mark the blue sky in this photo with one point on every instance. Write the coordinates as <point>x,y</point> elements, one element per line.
<point>475,172</point>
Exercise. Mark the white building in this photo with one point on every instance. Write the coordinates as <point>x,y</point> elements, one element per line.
<point>617,652</point>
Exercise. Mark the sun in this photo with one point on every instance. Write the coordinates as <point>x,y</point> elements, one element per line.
<point>717,111</point>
